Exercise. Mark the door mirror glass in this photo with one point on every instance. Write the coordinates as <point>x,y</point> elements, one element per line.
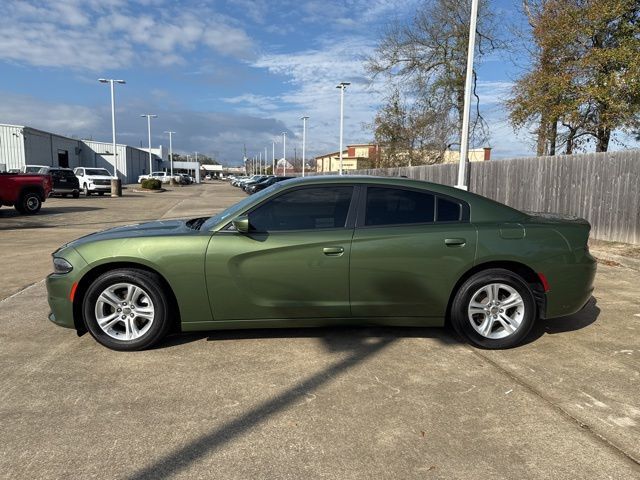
<point>241,223</point>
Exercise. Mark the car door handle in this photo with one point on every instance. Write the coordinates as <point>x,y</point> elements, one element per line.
<point>333,251</point>
<point>455,242</point>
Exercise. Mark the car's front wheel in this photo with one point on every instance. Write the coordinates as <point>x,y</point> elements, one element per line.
<point>126,309</point>
<point>494,309</point>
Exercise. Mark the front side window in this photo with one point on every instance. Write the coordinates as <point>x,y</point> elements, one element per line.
<point>395,206</point>
<point>304,209</point>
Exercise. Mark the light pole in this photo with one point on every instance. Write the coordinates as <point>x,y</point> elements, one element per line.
<point>149,117</point>
<point>284,152</point>
<point>170,151</point>
<point>304,140</point>
<point>111,81</point>
<point>464,141</point>
<point>273,158</point>
<point>260,163</point>
<point>265,160</point>
<point>342,86</point>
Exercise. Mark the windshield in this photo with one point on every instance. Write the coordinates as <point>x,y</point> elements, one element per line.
<point>230,212</point>
<point>97,171</point>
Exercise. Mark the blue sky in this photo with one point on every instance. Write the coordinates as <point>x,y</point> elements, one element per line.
<point>221,74</point>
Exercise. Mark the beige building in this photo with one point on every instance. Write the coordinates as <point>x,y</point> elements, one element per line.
<point>361,156</point>
<point>354,157</point>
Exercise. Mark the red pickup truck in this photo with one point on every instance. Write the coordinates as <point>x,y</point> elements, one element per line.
<point>26,192</point>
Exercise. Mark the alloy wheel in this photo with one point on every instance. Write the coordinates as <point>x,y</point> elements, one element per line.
<point>124,311</point>
<point>496,311</point>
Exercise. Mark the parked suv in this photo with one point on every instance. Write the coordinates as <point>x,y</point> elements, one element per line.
<point>64,181</point>
<point>164,177</point>
<point>25,192</point>
<point>94,180</point>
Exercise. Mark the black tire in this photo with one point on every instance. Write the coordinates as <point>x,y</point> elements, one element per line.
<point>459,308</point>
<point>86,190</point>
<point>29,203</point>
<point>76,193</point>
<point>101,194</point>
<point>150,283</point>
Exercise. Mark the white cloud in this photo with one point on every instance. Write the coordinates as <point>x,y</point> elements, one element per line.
<point>94,34</point>
<point>68,119</point>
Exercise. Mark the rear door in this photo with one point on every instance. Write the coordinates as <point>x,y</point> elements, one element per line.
<point>409,248</point>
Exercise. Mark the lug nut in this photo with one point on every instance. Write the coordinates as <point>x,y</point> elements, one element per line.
<point>123,317</point>
<point>132,315</point>
<point>119,309</point>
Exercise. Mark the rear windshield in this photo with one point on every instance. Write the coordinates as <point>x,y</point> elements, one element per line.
<point>97,171</point>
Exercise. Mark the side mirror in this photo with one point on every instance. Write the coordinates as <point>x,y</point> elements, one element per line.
<point>241,223</point>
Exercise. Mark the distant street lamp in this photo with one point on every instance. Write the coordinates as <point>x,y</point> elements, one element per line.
<point>273,158</point>
<point>149,117</point>
<point>111,81</point>
<point>304,140</point>
<point>170,151</point>
<point>342,87</point>
<point>284,152</point>
<point>265,160</point>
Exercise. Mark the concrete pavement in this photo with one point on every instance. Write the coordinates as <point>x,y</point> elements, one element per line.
<point>299,403</point>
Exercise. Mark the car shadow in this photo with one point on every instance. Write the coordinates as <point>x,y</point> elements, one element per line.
<point>335,338</point>
<point>582,319</point>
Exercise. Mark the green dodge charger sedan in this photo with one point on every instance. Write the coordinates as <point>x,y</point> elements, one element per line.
<point>328,251</point>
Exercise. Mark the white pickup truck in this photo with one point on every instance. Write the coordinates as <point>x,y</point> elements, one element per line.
<point>164,177</point>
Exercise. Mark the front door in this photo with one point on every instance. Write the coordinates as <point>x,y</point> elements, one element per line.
<point>293,263</point>
<point>408,252</point>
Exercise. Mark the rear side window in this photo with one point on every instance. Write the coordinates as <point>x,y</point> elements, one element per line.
<point>448,211</point>
<point>304,209</point>
<point>394,206</point>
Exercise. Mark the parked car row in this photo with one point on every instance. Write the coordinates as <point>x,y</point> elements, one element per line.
<point>165,177</point>
<point>256,183</point>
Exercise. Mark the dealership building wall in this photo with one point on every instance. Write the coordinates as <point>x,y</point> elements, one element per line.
<point>21,145</point>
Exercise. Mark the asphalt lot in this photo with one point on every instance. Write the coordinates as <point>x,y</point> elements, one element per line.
<point>326,403</point>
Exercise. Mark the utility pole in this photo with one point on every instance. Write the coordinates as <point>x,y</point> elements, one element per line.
<point>304,141</point>
<point>170,151</point>
<point>111,81</point>
<point>149,117</point>
<point>284,152</point>
<point>342,87</point>
<point>464,141</point>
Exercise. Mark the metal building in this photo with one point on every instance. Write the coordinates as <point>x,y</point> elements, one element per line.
<point>21,145</point>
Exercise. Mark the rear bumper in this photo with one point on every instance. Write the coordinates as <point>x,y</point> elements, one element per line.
<point>571,285</point>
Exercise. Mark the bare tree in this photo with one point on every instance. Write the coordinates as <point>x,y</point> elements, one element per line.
<point>425,63</point>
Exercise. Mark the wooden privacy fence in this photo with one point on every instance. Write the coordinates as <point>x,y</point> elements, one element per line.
<point>604,188</point>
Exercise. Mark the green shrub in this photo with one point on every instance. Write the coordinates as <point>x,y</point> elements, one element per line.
<point>151,184</point>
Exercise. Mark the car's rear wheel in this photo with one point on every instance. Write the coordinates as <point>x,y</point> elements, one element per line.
<point>101,194</point>
<point>29,203</point>
<point>126,309</point>
<point>76,193</point>
<point>494,309</point>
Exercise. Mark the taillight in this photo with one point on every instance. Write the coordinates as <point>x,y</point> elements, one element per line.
<point>544,281</point>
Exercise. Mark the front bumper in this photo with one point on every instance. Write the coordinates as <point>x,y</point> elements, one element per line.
<point>99,188</point>
<point>59,287</point>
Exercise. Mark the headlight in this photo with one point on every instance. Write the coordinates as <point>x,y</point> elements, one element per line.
<point>60,265</point>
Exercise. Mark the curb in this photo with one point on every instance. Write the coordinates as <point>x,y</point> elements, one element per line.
<point>627,262</point>
<point>142,190</point>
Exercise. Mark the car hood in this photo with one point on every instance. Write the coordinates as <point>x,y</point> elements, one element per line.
<point>149,229</point>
